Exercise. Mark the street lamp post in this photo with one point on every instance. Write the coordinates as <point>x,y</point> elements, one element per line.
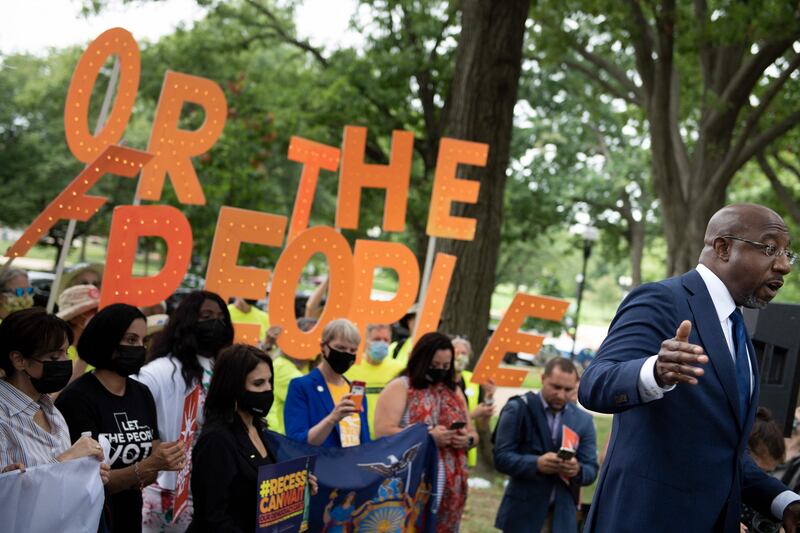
<point>590,235</point>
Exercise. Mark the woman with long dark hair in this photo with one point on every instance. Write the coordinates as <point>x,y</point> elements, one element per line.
<point>181,358</point>
<point>107,402</point>
<point>427,393</point>
<point>232,446</point>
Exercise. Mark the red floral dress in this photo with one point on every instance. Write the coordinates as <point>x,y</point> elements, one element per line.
<point>438,405</point>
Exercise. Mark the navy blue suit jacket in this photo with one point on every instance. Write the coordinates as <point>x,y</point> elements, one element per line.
<point>522,436</point>
<point>679,463</point>
<point>308,401</point>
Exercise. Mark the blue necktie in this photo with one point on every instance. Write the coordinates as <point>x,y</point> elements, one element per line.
<point>742,365</point>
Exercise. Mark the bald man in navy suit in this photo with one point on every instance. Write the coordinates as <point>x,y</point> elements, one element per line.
<point>679,372</point>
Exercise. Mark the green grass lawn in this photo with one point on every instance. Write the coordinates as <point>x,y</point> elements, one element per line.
<point>95,253</point>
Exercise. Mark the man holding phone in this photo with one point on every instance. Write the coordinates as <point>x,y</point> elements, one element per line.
<point>547,445</point>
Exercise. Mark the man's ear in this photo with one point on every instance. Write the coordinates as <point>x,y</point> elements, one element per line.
<point>722,248</point>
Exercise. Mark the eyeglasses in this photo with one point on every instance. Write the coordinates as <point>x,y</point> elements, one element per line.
<point>20,291</point>
<point>770,250</point>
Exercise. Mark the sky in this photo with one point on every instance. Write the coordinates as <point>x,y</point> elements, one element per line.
<point>23,28</point>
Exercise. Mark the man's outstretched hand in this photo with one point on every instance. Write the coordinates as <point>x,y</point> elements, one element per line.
<point>678,359</point>
<point>791,517</point>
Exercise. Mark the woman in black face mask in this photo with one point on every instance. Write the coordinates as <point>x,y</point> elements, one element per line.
<point>426,393</point>
<point>181,357</point>
<point>319,409</point>
<point>232,446</point>
<point>33,356</point>
<point>107,402</point>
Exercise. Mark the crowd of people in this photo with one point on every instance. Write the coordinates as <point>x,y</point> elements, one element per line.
<point>122,373</point>
<point>80,374</point>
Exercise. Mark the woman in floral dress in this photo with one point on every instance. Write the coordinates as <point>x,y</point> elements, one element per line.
<point>426,393</point>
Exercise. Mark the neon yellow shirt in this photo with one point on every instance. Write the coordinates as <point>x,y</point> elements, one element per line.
<point>350,426</point>
<point>255,316</point>
<point>285,372</point>
<point>72,354</point>
<point>376,377</point>
<point>403,353</point>
<point>472,391</point>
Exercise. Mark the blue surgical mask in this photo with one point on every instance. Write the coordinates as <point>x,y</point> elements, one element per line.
<point>378,350</point>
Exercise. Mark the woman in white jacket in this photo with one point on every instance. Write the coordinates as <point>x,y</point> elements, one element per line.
<point>181,357</point>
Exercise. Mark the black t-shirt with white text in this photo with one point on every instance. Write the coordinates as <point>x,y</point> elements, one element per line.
<point>128,422</point>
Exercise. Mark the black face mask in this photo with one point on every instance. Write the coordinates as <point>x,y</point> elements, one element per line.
<point>340,361</point>
<point>55,376</point>
<point>256,403</point>
<point>211,336</point>
<point>437,375</point>
<point>127,360</point>
<point>250,302</point>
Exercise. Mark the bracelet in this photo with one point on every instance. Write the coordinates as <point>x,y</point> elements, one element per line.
<point>138,476</point>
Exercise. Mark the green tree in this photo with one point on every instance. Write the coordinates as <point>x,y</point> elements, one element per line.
<point>35,161</point>
<point>711,79</point>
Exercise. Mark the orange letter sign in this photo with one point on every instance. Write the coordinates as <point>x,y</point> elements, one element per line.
<point>73,202</point>
<point>314,156</point>
<point>508,338</point>
<point>441,274</point>
<point>320,239</point>
<point>448,189</point>
<point>368,256</point>
<point>172,147</point>
<point>83,145</point>
<point>356,175</point>
<point>128,224</point>
<point>235,226</point>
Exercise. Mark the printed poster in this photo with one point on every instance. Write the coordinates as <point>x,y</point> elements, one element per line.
<point>186,438</point>
<point>284,496</point>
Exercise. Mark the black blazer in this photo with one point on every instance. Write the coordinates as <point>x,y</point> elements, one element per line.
<point>224,478</point>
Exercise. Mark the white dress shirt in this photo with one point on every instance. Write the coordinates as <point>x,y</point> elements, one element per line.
<point>649,390</point>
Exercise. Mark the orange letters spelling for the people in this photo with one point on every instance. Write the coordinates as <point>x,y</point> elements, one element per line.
<point>169,152</point>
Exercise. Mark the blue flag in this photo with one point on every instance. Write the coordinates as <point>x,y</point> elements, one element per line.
<point>386,485</point>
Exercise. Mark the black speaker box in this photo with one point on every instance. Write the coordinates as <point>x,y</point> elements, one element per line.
<point>775,332</point>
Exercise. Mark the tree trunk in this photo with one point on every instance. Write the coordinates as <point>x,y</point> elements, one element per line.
<point>636,245</point>
<point>685,219</point>
<point>484,92</point>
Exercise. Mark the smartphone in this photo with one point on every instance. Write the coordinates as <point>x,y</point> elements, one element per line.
<point>566,453</point>
<point>457,425</point>
<point>357,390</point>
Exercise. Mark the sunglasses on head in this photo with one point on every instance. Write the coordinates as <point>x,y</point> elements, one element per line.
<point>19,291</point>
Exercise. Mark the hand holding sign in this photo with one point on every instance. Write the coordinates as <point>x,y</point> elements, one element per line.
<point>168,456</point>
